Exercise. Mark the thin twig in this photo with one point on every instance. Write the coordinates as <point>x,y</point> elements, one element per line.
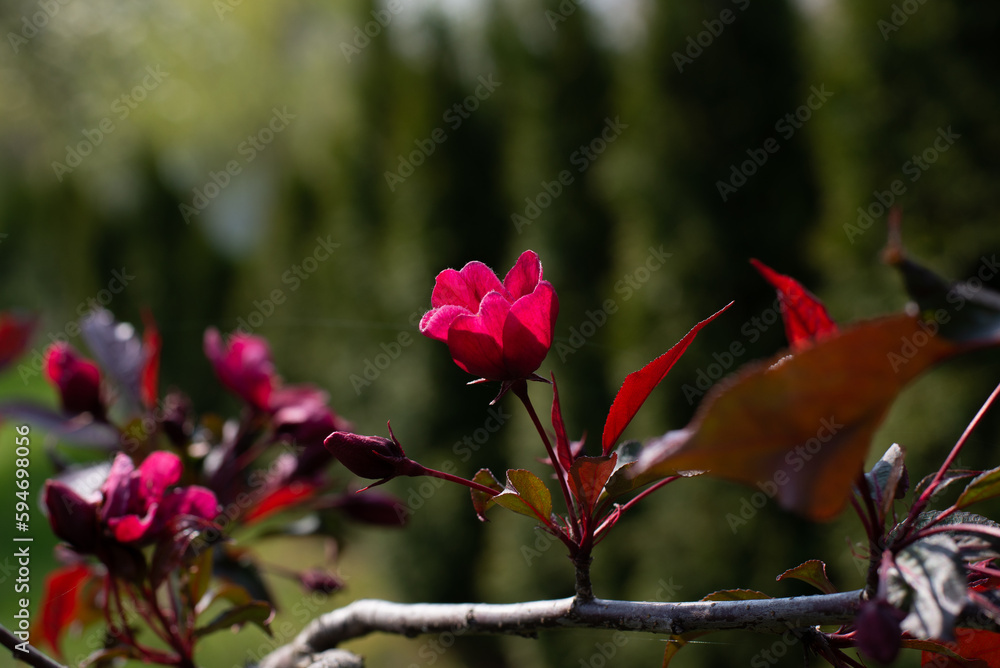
<point>32,657</point>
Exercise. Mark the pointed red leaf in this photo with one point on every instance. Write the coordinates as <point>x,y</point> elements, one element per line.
<point>150,374</point>
<point>60,601</point>
<point>280,499</point>
<point>806,319</point>
<point>639,384</point>
<point>564,451</point>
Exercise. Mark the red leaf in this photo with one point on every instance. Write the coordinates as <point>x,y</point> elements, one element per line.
<point>800,426</point>
<point>587,478</point>
<point>564,451</point>
<point>280,499</point>
<point>639,384</point>
<point>981,648</point>
<point>60,601</point>
<point>150,373</point>
<point>806,319</point>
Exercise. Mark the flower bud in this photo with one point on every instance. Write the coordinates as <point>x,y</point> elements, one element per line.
<point>77,379</point>
<point>372,457</point>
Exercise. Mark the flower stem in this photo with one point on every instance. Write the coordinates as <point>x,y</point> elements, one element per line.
<point>520,389</point>
<point>471,484</point>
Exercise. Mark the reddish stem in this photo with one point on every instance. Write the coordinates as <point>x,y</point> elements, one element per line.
<point>520,389</point>
<point>925,498</point>
<point>471,484</point>
<point>631,502</point>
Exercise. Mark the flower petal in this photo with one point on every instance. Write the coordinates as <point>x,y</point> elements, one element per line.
<point>193,500</point>
<point>157,472</point>
<point>475,341</point>
<point>527,334</point>
<point>436,322</point>
<point>73,519</point>
<point>116,488</point>
<point>133,528</point>
<point>523,277</point>
<point>465,288</point>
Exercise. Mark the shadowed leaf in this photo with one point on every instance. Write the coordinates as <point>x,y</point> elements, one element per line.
<point>801,424</point>
<point>255,612</point>
<point>587,478</point>
<point>985,486</point>
<point>481,501</point>
<point>812,572</point>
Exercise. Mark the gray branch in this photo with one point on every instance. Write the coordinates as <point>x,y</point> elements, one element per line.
<point>775,615</point>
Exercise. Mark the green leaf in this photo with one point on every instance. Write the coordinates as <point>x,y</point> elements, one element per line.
<point>587,477</point>
<point>929,575</point>
<point>255,612</point>
<point>481,501</point>
<point>985,486</point>
<point>226,591</point>
<point>813,572</point>
<point>735,595</point>
<point>199,575</point>
<point>526,494</point>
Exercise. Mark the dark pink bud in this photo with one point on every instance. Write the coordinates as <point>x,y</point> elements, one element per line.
<point>500,331</point>
<point>320,581</point>
<point>878,634</point>
<point>371,456</point>
<point>243,365</point>
<point>73,518</point>
<point>77,379</point>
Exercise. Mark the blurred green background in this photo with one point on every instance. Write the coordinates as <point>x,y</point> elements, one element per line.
<point>210,148</point>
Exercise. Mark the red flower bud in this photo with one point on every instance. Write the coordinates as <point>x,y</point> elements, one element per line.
<point>77,379</point>
<point>372,457</point>
<point>15,332</point>
<point>320,581</point>
<point>243,365</point>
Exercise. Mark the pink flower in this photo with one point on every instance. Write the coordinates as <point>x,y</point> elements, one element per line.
<point>77,379</point>
<point>137,505</point>
<point>499,331</point>
<point>243,365</point>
